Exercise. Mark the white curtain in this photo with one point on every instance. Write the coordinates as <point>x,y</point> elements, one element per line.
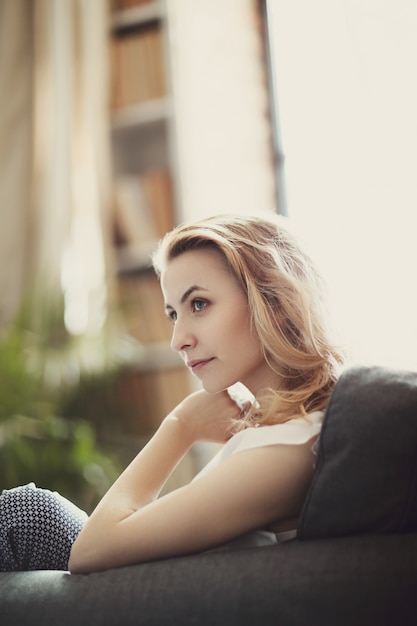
<point>55,157</point>
<point>71,158</point>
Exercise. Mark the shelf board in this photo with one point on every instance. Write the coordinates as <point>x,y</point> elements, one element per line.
<point>142,114</point>
<point>135,258</point>
<point>137,16</point>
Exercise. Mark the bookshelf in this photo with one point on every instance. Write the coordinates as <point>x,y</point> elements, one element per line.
<point>145,193</point>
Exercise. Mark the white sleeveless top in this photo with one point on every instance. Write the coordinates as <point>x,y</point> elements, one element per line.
<point>294,432</point>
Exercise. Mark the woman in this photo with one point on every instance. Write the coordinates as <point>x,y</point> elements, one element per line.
<point>246,306</point>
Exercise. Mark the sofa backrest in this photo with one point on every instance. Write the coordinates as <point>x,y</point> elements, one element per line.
<point>366,470</point>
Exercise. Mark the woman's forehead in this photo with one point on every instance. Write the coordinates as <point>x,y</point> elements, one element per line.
<point>204,267</point>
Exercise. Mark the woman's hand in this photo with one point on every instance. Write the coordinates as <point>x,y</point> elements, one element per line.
<point>207,416</point>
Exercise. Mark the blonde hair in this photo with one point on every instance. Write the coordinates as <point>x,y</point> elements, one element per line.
<point>285,297</point>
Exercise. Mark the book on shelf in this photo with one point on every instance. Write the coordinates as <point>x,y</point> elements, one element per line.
<point>133,221</point>
<point>160,199</point>
<point>137,66</point>
<point>143,207</point>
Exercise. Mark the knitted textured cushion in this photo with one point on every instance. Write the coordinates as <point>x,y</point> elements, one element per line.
<point>366,471</point>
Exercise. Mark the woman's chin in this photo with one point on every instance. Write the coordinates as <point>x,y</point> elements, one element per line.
<point>212,387</point>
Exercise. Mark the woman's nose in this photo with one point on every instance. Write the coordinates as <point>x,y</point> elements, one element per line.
<point>182,338</point>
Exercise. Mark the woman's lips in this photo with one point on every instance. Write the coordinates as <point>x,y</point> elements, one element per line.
<point>197,364</point>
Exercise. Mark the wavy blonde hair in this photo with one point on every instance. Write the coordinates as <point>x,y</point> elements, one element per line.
<point>286,302</point>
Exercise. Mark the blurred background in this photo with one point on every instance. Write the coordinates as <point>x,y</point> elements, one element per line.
<point>121,118</point>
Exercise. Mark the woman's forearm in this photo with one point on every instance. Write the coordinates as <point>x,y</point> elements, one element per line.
<point>146,475</point>
<point>129,524</point>
<point>139,485</point>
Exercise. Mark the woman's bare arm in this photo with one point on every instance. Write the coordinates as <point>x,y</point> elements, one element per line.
<point>201,416</point>
<point>252,489</point>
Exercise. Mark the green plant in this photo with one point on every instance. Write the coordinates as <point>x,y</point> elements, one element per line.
<point>57,454</point>
<point>37,443</point>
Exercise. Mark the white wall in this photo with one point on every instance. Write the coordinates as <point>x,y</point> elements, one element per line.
<point>347,93</point>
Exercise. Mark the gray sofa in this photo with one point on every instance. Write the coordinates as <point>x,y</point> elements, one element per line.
<point>354,562</point>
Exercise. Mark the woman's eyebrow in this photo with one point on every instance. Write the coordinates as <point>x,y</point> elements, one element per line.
<point>186,295</point>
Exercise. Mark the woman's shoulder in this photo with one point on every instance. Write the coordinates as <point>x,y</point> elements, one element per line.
<point>292,432</point>
<point>296,431</point>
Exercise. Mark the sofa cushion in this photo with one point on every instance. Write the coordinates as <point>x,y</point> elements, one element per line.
<point>360,581</point>
<point>366,472</point>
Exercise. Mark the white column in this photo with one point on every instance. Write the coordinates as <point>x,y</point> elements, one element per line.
<point>222,125</point>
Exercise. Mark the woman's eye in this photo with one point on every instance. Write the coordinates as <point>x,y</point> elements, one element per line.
<point>198,305</point>
<point>172,316</point>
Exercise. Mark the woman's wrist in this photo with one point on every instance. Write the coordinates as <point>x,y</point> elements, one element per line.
<point>180,426</point>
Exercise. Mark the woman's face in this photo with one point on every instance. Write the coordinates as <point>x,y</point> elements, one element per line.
<point>210,315</point>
